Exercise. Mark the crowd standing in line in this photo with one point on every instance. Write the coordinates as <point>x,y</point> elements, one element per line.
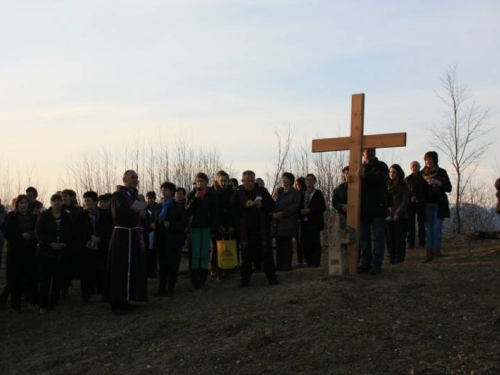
<point>115,242</point>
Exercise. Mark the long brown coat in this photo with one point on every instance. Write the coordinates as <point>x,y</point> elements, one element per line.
<point>126,277</point>
<point>288,204</point>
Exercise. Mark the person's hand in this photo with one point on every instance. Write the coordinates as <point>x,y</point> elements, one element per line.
<point>197,194</point>
<point>142,214</point>
<point>27,236</point>
<point>96,240</point>
<point>62,245</point>
<point>361,172</point>
<point>277,215</point>
<point>166,224</point>
<point>344,207</point>
<point>153,226</point>
<point>414,199</point>
<point>396,217</point>
<point>248,204</point>
<point>305,211</point>
<point>258,204</point>
<point>54,245</point>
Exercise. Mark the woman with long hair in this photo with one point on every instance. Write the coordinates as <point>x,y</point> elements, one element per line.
<point>397,221</point>
<point>437,207</point>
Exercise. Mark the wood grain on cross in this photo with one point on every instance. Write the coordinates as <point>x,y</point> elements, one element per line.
<point>355,144</point>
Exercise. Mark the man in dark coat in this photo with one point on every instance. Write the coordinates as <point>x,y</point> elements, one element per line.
<point>374,209</point>
<point>252,206</point>
<point>126,277</point>
<point>416,206</point>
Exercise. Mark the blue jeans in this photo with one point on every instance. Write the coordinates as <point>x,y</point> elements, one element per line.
<point>433,226</point>
<point>372,257</point>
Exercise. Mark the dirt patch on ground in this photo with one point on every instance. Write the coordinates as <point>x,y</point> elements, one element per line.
<point>413,318</point>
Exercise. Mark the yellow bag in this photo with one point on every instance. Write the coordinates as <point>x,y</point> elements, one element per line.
<point>227,255</point>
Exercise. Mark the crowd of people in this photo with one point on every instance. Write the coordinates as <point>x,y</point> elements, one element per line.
<point>114,243</point>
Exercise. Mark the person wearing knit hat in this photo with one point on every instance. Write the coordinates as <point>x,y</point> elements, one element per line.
<point>437,208</point>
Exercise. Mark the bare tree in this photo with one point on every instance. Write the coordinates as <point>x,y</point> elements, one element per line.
<point>460,135</point>
<point>284,148</point>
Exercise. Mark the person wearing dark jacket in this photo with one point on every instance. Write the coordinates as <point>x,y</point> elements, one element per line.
<point>92,234</point>
<point>416,206</point>
<point>497,187</point>
<point>54,233</point>
<point>251,207</point>
<point>226,227</point>
<point>152,262</point>
<point>397,221</point>
<point>374,202</point>
<point>312,208</point>
<point>202,207</point>
<point>169,223</point>
<point>126,277</point>
<point>69,260</point>
<point>339,200</point>
<point>300,185</point>
<point>437,208</point>
<point>285,221</point>
<point>21,249</point>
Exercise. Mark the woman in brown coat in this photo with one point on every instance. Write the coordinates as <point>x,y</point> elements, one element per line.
<point>285,221</point>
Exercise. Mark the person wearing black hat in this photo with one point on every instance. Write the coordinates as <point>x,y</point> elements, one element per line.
<point>437,208</point>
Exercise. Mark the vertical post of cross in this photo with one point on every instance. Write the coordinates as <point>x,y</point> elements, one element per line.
<point>354,197</point>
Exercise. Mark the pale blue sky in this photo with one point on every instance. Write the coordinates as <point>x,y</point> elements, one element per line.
<point>228,72</point>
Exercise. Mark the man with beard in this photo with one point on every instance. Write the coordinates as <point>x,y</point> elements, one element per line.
<point>252,206</point>
<point>126,277</point>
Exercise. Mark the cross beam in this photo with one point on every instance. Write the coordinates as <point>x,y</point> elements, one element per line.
<point>355,144</point>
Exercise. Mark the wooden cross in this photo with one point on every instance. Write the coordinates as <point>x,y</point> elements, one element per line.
<point>355,144</point>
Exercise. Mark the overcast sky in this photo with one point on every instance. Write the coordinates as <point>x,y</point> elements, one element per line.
<point>76,75</point>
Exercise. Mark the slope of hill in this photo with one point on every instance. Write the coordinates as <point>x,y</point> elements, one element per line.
<point>414,318</point>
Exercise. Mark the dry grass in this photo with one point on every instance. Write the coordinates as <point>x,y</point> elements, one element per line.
<point>414,318</point>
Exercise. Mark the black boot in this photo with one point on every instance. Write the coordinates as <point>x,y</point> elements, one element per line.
<point>195,278</point>
<point>203,277</point>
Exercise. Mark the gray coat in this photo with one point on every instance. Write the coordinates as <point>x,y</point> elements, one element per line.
<point>288,204</point>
